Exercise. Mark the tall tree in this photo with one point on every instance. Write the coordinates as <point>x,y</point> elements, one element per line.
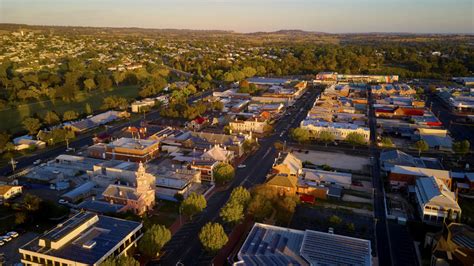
<point>421,146</point>
<point>232,212</point>
<point>193,204</point>
<point>32,125</point>
<point>355,139</point>
<point>213,237</point>
<point>326,137</point>
<point>153,240</point>
<point>223,173</point>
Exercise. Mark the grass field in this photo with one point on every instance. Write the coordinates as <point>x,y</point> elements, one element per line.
<point>11,118</point>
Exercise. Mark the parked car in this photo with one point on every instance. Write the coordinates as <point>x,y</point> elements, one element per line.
<point>37,162</point>
<point>6,238</point>
<point>241,166</point>
<point>61,201</point>
<point>13,234</point>
<point>2,243</point>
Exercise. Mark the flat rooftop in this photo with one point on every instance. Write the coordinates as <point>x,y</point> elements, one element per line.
<point>88,246</point>
<point>274,245</point>
<point>136,144</point>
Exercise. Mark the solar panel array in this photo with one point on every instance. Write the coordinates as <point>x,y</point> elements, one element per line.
<point>68,226</point>
<point>328,249</point>
<point>273,246</point>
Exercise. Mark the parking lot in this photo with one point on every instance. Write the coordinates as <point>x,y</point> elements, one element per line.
<point>335,160</point>
<point>10,249</point>
<point>317,218</point>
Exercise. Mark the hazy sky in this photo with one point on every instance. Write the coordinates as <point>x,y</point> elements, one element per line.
<point>419,16</point>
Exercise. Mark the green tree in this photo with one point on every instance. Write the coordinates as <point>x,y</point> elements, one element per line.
<point>387,142</point>
<point>335,220</point>
<point>88,109</point>
<point>249,71</point>
<point>70,115</point>
<point>51,118</point>
<point>300,135</point>
<point>31,202</point>
<point>4,139</point>
<point>213,237</point>
<point>20,218</point>
<point>118,77</point>
<point>223,173</point>
<point>229,77</point>
<point>462,147</point>
<point>326,137</point>
<point>355,139</point>
<point>421,146</point>
<point>32,125</point>
<point>89,84</point>
<point>103,82</point>
<point>114,102</point>
<point>153,240</point>
<point>119,261</point>
<point>193,204</point>
<point>240,195</point>
<point>232,212</point>
<point>351,227</point>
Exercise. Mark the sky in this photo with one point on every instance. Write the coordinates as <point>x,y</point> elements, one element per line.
<point>332,16</point>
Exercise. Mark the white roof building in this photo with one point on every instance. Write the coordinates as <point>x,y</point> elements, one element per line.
<point>435,201</point>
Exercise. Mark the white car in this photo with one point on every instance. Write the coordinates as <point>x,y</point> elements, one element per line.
<point>37,162</point>
<point>61,201</point>
<point>13,234</point>
<point>2,243</point>
<point>6,238</point>
<point>241,166</point>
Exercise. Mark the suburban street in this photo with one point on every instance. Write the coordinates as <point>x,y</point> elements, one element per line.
<point>381,226</point>
<point>185,247</point>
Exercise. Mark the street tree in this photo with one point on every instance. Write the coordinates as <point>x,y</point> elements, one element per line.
<point>232,212</point>
<point>335,220</point>
<point>421,146</point>
<point>213,237</point>
<point>223,173</point>
<point>240,195</point>
<point>355,139</point>
<point>153,240</point>
<point>300,135</point>
<point>462,147</point>
<point>193,204</point>
<point>32,125</point>
<point>326,137</point>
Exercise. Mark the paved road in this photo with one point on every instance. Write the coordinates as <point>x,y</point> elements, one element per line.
<point>381,228</point>
<point>84,140</point>
<point>184,247</point>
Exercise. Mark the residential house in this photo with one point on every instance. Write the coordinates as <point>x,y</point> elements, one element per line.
<point>7,192</point>
<point>401,176</point>
<point>453,246</point>
<point>436,202</point>
<point>218,153</point>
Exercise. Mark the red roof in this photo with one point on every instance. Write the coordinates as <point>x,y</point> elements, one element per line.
<point>413,112</point>
<point>307,198</point>
<point>199,120</point>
